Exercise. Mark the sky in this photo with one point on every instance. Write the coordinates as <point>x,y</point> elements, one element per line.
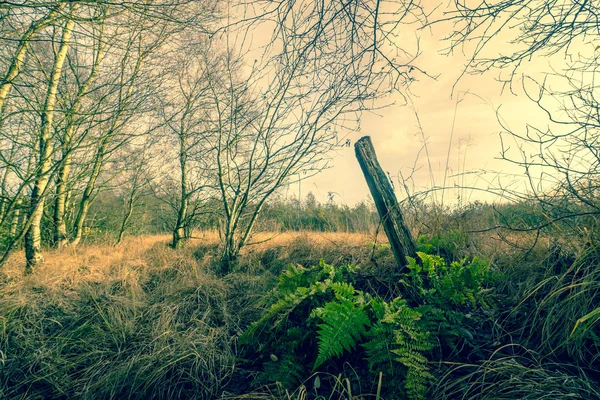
<point>472,146</point>
<point>458,119</point>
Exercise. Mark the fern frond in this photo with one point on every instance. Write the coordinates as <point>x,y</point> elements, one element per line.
<point>279,311</point>
<point>343,325</point>
<point>379,348</point>
<point>293,277</point>
<point>411,345</point>
<point>289,371</point>
<point>398,338</point>
<point>343,290</point>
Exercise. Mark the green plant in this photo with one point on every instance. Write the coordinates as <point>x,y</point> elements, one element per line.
<point>317,318</point>
<point>344,323</point>
<point>558,316</point>
<point>455,302</point>
<point>461,283</point>
<point>516,377</point>
<point>397,337</point>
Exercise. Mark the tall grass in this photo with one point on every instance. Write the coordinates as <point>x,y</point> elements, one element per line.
<point>127,329</point>
<point>140,320</point>
<point>515,377</point>
<point>143,321</point>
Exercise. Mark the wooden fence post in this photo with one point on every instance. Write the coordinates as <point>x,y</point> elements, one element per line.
<point>398,234</point>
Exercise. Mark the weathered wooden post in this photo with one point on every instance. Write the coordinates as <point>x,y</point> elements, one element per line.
<point>398,234</point>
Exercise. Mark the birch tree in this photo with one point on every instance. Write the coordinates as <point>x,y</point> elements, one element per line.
<point>186,123</point>
<point>44,162</point>
<point>95,63</point>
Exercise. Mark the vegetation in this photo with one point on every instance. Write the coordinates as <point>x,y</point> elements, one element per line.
<point>144,320</point>
<point>146,251</point>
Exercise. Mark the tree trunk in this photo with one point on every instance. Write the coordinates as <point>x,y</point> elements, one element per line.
<point>14,225</point>
<point>61,238</point>
<point>179,235</point>
<point>2,207</point>
<point>60,224</point>
<point>21,53</point>
<point>399,236</point>
<point>230,254</point>
<point>86,198</point>
<point>126,217</point>
<point>4,201</point>
<point>33,252</point>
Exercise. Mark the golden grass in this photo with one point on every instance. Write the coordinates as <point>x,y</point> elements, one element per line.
<point>140,319</point>
<point>266,240</point>
<point>87,262</point>
<point>98,262</point>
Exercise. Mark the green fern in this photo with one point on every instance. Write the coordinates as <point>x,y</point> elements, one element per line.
<point>288,370</point>
<point>343,290</point>
<point>417,371</point>
<point>316,315</point>
<point>397,337</point>
<point>296,276</point>
<point>461,283</point>
<point>380,343</point>
<point>281,309</point>
<point>344,324</point>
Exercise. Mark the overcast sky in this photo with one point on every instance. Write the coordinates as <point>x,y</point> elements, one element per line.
<point>474,145</point>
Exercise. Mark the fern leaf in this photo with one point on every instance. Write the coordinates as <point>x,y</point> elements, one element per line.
<point>379,348</point>
<point>278,312</point>
<point>343,325</point>
<point>343,290</point>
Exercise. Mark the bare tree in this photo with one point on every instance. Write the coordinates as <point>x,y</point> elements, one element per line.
<point>111,134</point>
<point>94,61</point>
<point>91,70</point>
<point>43,18</point>
<point>561,159</point>
<point>186,123</point>
<point>539,28</point>
<point>324,65</point>
<point>44,161</point>
<point>74,118</point>
<point>138,171</point>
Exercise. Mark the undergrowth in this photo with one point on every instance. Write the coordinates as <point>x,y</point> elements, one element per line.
<point>317,320</point>
<point>153,323</point>
<point>153,332</point>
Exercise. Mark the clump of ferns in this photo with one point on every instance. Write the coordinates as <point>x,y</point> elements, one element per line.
<point>456,304</point>
<point>316,320</point>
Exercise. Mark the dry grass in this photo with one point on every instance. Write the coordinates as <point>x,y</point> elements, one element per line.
<point>515,377</point>
<point>91,262</point>
<point>274,251</point>
<point>141,320</point>
<point>136,256</point>
<point>138,320</point>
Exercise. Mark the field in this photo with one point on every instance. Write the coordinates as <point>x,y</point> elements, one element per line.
<point>141,320</point>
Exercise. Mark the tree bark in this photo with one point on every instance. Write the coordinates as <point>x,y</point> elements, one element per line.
<point>86,198</point>
<point>179,235</point>
<point>14,225</point>
<point>126,217</point>
<point>399,236</point>
<point>33,251</point>
<point>61,238</point>
<point>60,224</point>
